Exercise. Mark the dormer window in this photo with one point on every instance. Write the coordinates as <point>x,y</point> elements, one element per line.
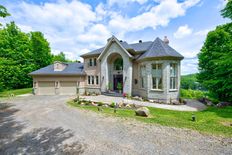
<point>59,66</point>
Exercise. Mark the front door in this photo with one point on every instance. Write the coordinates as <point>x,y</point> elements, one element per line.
<point>118,79</point>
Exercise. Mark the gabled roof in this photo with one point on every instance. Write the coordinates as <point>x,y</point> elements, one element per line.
<point>160,49</point>
<point>143,50</point>
<point>73,68</point>
<point>141,47</point>
<point>124,46</point>
<point>138,47</point>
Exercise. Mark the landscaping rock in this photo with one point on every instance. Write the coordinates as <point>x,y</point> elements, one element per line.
<point>136,97</point>
<point>143,111</point>
<point>120,104</point>
<point>105,105</point>
<point>128,106</point>
<point>93,104</point>
<point>223,104</point>
<point>206,101</point>
<point>175,102</point>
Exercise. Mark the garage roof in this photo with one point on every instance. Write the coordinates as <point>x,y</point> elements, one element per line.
<point>73,68</point>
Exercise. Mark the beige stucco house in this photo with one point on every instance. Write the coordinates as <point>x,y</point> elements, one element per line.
<point>148,69</point>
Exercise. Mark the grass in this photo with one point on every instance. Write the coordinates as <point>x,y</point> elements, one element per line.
<point>8,93</point>
<point>209,121</point>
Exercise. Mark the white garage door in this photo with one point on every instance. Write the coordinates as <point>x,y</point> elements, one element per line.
<point>68,87</point>
<point>46,87</point>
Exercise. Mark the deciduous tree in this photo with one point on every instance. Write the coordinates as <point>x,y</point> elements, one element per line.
<point>215,63</point>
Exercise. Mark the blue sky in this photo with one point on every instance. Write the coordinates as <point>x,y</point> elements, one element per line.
<point>79,26</point>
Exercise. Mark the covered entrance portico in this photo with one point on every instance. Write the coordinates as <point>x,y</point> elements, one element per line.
<point>115,72</point>
<point>116,68</point>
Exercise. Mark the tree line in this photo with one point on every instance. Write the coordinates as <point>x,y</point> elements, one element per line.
<point>22,53</point>
<point>215,59</point>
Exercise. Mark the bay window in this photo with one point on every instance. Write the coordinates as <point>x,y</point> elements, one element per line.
<point>157,82</point>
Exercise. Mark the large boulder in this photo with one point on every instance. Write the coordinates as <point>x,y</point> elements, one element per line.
<point>223,104</point>
<point>143,111</point>
<point>205,101</point>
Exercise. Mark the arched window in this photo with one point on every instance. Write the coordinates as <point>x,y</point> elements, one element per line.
<point>118,64</point>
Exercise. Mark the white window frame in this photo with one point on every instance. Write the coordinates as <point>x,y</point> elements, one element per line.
<point>173,86</point>
<point>156,77</point>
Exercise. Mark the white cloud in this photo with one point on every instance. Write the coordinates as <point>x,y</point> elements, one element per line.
<point>183,31</point>
<point>97,33</point>
<point>75,28</point>
<point>222,4</point>
<point>159,15</point>
<point>189,66</point>
<point>202,32</point>
<point>125,2</point>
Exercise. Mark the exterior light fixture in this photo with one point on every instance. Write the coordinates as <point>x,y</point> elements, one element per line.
<point>193,117</point>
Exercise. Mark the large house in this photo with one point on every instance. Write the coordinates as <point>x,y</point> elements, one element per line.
<point>148,69</point>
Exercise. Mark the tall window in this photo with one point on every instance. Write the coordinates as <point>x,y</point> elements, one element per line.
<point>173,76</point>
<point>95,61</point>
<point>97,82</point>
<point>88,79</point>
<point>92,80</point>
<point>118,64</point>
<point>157,76</point>
<point>143,76</point>
<point>90,62</point>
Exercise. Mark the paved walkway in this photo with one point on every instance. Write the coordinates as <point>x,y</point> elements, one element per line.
<point>192,105</point>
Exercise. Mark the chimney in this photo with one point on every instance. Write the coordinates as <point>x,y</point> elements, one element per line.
<point>121,41</point>
<point>166,41</point>
<point>140,41</point>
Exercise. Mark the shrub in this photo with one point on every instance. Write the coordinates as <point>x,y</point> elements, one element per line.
<point>112,105</point>
<point>192,94</point>
<point>87,103</point>
<point>100,104</point>
<point>76,99</point>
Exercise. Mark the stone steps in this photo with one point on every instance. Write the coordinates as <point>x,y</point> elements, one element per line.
<point>115,94</point>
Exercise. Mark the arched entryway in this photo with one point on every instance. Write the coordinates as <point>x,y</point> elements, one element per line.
<point>115,72</point>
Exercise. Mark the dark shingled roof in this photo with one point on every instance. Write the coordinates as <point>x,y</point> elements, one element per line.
<point>146,49</point>
<point>160,49</point>
<point>73,68</point>
<point>141,47</point>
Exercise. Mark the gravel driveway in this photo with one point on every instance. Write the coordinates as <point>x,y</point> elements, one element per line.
<point>46,125</point>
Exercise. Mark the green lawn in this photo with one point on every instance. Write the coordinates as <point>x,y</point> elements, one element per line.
<point>209,121</point>
<point>7,93</point>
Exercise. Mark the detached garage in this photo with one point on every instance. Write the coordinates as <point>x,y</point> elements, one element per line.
<point>58,79</point>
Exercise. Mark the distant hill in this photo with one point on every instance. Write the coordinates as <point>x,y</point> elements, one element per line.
<point>190,82</point>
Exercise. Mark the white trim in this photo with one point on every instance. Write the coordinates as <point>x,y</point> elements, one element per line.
<point>112,39</point>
